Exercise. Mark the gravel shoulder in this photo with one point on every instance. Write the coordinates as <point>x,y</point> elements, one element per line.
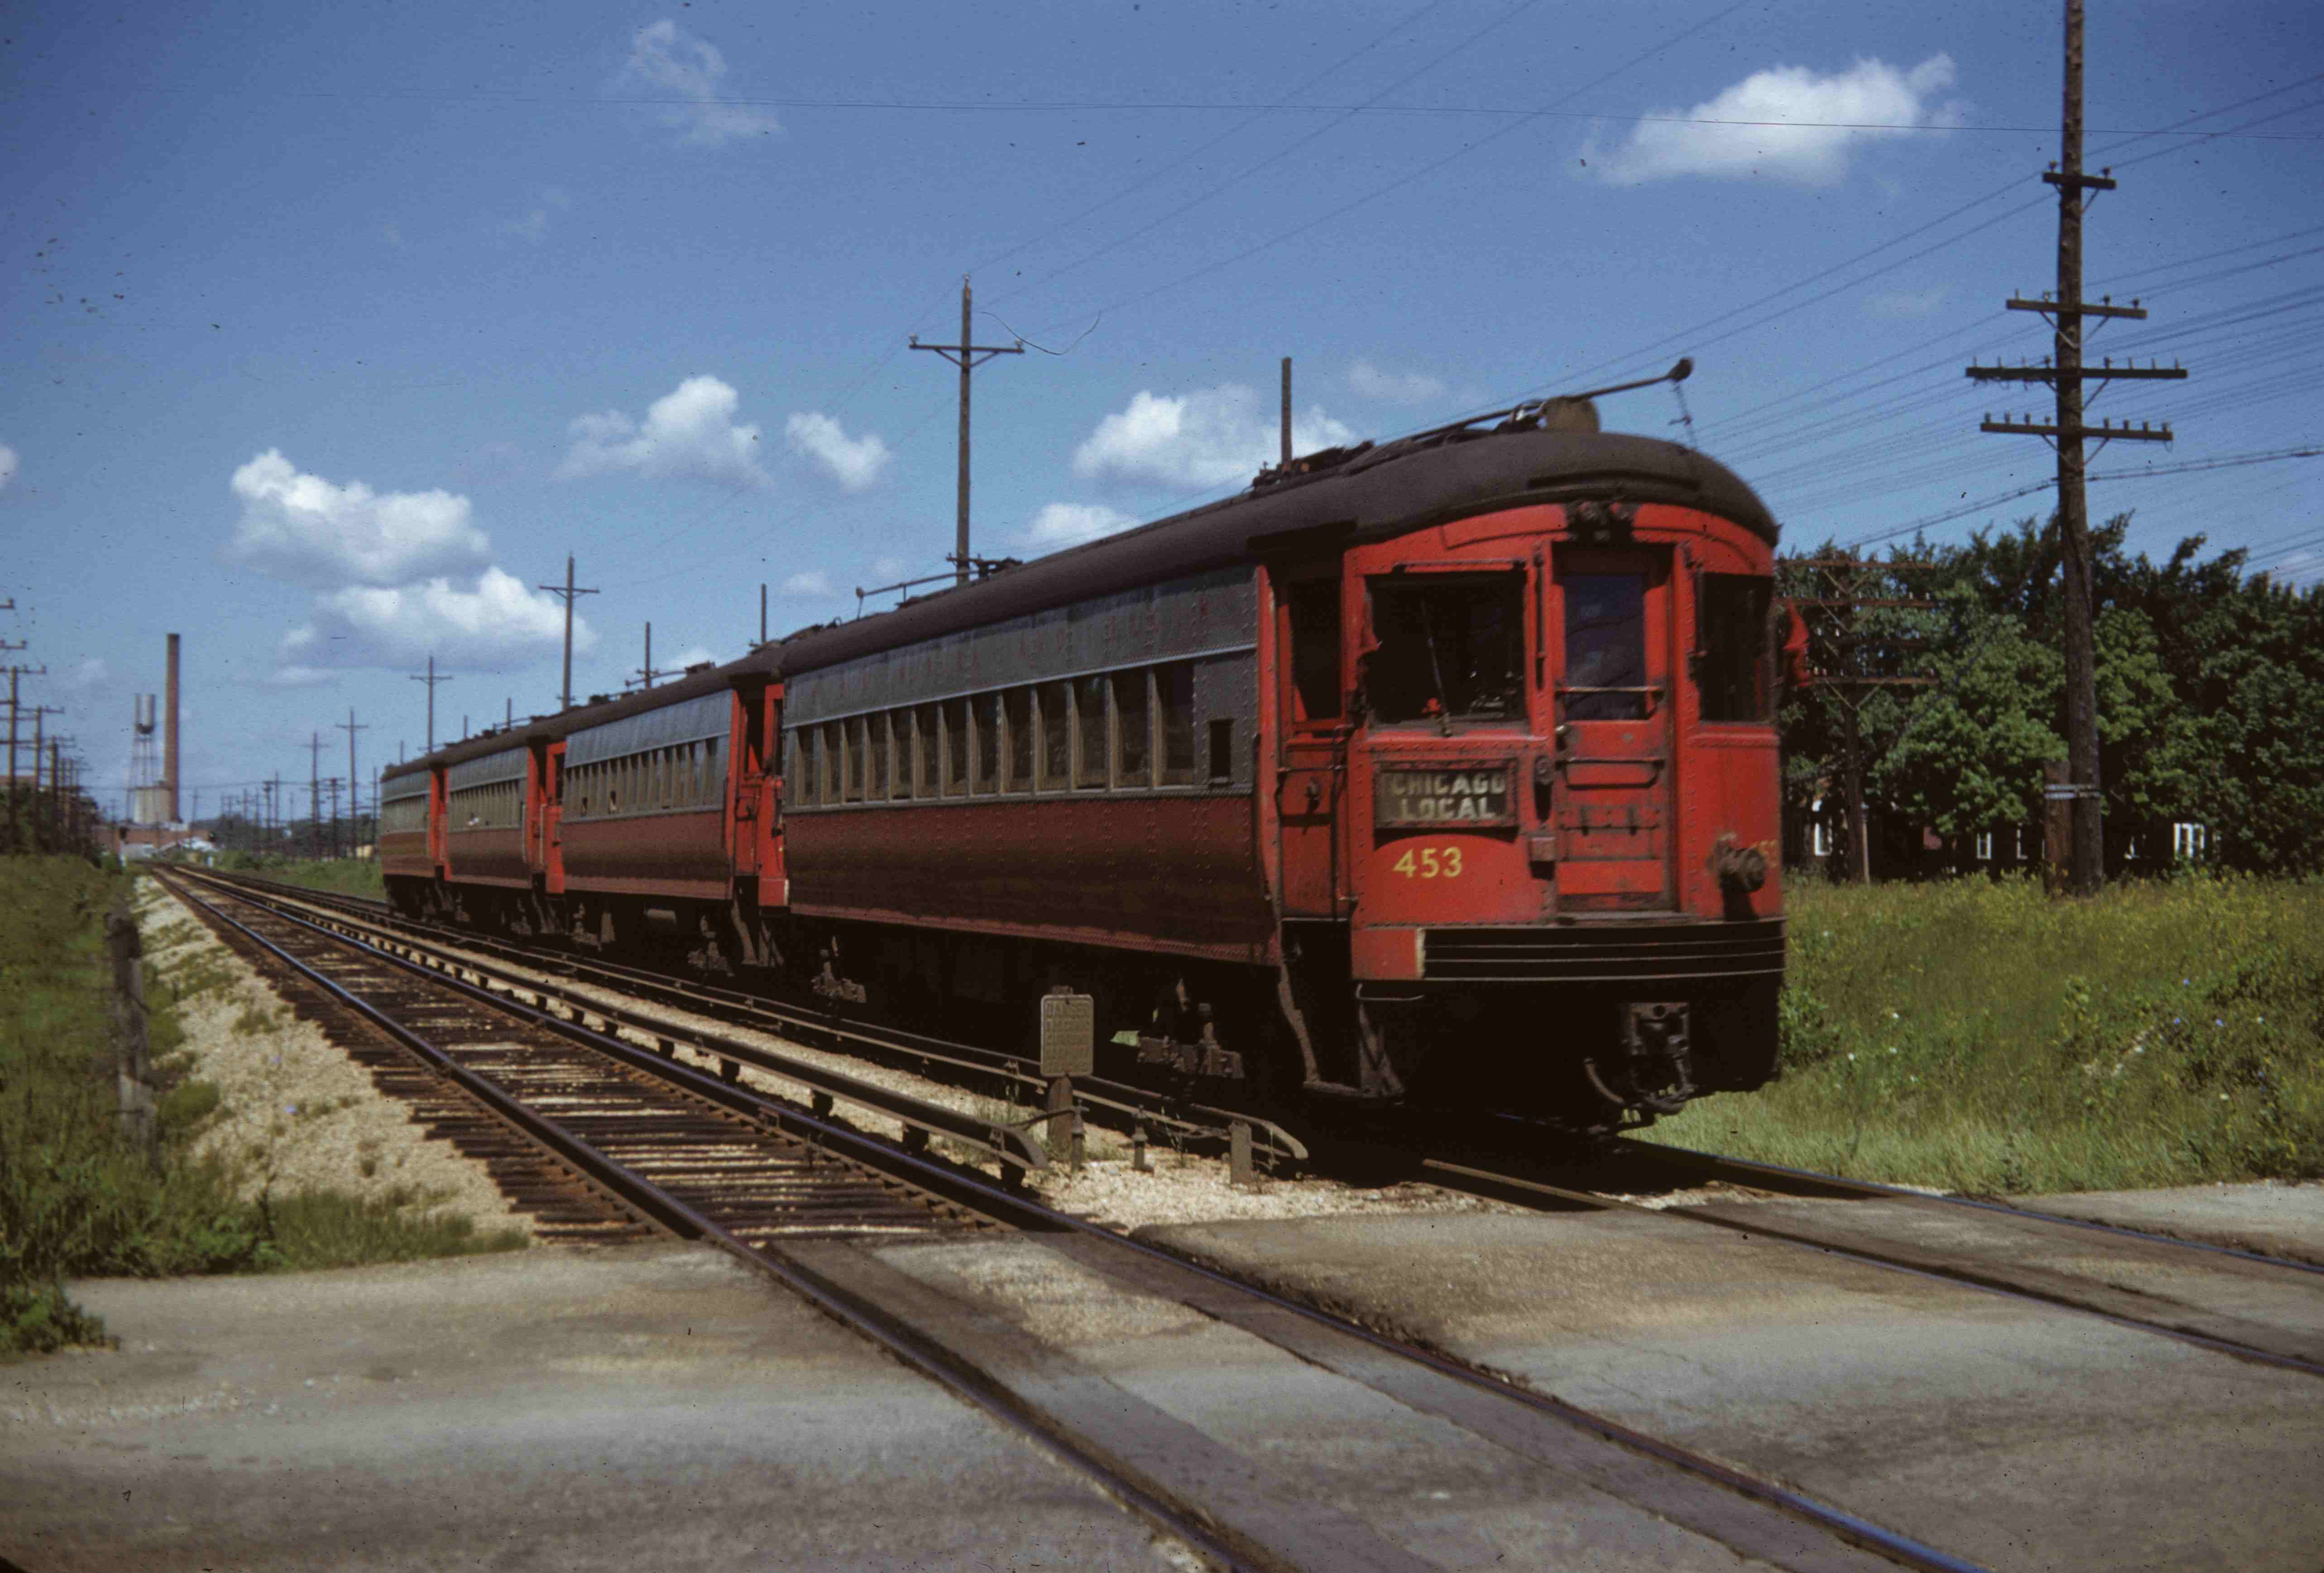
<point>295,1113</point>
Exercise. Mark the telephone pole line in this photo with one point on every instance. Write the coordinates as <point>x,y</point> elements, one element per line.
<point>354,798</point>
<point>567,590</point>
<point>2065,371</point>
<point>315,796</point>
<point>431,680</point>
<point>967,355</point>
<point>14,822</point>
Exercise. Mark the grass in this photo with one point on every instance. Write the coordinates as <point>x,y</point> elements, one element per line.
<point>1979,1036</point>
<point>347,876</point>
<point>74,1200</point>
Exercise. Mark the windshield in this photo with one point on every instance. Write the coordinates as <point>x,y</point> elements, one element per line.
<point>1448,648</point>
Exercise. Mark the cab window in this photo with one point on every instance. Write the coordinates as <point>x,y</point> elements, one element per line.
<point>1446,647</point>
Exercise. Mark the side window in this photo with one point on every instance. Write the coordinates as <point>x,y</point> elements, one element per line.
<point>1057,737</point>
<point>714,780</point>
<point>830,753</point>
<point>899,728</point>
<point>929,735</point>
<point>1017,722</point>
<point>984,722</point>
<point>875,756</point>
<point>800,779</point>
<point>851,752</point>
<point>1133,733</point>
<point>1736,649</point>
<point>1314,608</point>
<point>1089,732</point>
<point>955,747</point>
<point>1221,751</point>
<point>1173,698</point>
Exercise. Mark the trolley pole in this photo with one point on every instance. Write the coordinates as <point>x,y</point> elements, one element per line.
<point>967,355</point>
<point>2066,311</point>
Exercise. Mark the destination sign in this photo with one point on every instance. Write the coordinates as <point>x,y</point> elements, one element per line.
<point>1443,797</point>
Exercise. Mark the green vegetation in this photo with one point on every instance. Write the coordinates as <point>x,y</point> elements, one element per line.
<point>2210,679</point>
<point>349,876</point>
<point>1979,1036</point>
<point>73,1199</point>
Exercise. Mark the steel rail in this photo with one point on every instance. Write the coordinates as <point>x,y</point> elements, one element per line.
<point>1008,1147</point>
<point>925,1355</point>
<point>1483,1181</point>
<point>1010,1207</point>
<point>1129,1105</point>
<point>1688,1157</point>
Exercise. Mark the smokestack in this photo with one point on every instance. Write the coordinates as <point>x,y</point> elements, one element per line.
<point>170,737</point>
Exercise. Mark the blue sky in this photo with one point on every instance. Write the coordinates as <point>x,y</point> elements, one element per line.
<point>331,330</point>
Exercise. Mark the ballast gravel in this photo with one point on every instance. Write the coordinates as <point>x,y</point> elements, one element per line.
<point>1178,1187</point>
<point>295,1111</point>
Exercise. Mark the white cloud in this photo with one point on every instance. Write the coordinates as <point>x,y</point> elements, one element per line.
<point>1064,525</point>
<point>1763,135</point>
<point>854,462</point>
<point>90,673</point>
<point>688,432</point>
<point>496,621</point>
<point>886,568</point>
<point>1395,387</point>
<point>1905,305</point>
<point>1209,438</point>
<point>302,527</point>
<point>673,65</point>
<point>534,224</point>
<point>813,585</point>
<point>7,464</point>
<point>299,677</point>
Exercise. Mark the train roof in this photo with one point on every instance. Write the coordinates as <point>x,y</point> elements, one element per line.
<point>1369,493</point>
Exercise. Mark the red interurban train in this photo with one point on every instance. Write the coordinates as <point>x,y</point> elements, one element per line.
<point>1439,773</point>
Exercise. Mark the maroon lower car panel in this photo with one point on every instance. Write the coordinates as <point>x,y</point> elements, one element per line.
<point>487,857</point>
<point>659,855</point>
<point>1177,873</point>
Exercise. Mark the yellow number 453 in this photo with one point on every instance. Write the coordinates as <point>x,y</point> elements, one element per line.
<point>1430,863</point>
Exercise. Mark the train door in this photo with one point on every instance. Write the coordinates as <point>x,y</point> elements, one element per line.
<point>1312,768</point>
<point>552,823</point>
<point>1614,730</point>
<point>746,780</point>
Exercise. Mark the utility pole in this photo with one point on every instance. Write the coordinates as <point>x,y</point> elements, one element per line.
<point>1286,411</point>
<point>647,675</point>
<point>355,799</point>
<point>431,680</point>
<point>332,845</point>
<point>967,355</point>
<point>762,611</point>
<point>14,673</point>
<point>315,796</point>
<point>567,590</point>
<point>2066,311</point>
<point>1837,647</point>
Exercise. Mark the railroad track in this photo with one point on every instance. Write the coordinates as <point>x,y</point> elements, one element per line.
<point>1012,1077</point>
<point>709,1159</point>
<point>2076,1265</point>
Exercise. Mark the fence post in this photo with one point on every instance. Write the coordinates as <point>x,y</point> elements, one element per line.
<point>132,1051</point>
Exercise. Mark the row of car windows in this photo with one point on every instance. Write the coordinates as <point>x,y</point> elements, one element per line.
<point>683,778</point>
<point>403,814</point>
<point>497,806</point>
<point>1121,731</point>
